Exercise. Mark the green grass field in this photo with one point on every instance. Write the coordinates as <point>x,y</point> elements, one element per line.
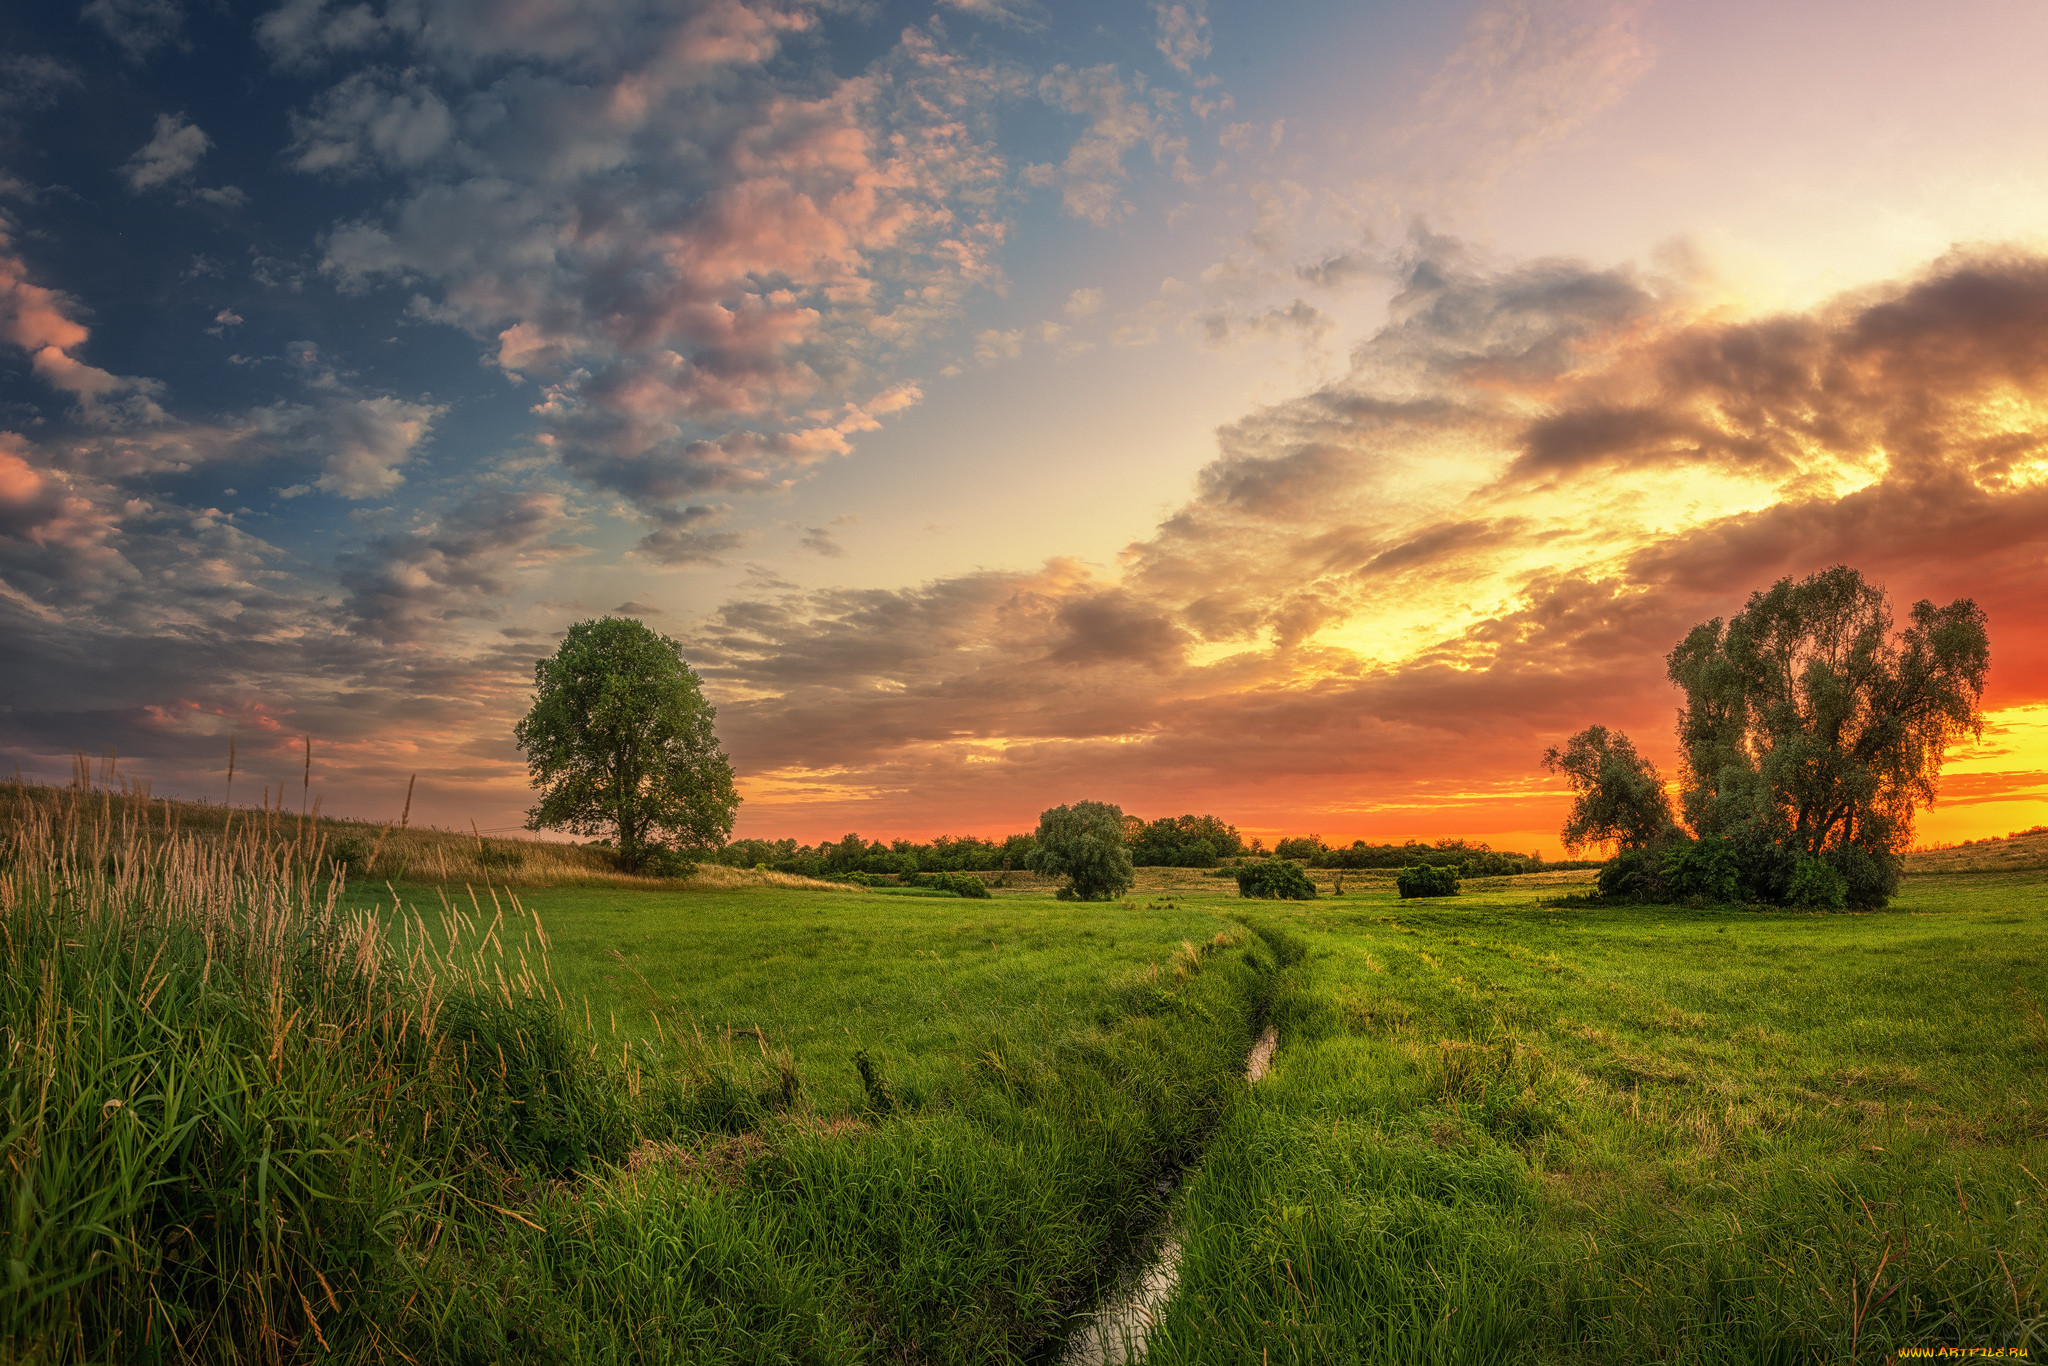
<point>765,1123</point>
<point>1499,1131</point>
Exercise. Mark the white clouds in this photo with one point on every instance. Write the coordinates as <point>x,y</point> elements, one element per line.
<point>1094,174</point>
<point>405,587</point>
<point>693,275</point>
<point>1084,303</point>
<point>171,154</point>
<point>1528,74</point>
<point>992,346</point>
<point>1183,34</point>
<point>33,81</point>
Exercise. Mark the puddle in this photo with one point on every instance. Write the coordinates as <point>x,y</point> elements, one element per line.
<point>1262,1054</point>
<point>1115,1333</point>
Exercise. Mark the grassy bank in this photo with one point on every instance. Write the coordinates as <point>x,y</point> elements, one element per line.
<point>249,1119</point>
<point>1503,1131</point>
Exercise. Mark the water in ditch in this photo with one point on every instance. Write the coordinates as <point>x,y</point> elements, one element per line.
<point>1115,1334</point>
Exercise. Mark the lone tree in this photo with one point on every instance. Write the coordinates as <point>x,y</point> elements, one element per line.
<point>619,741</point>
<point>1084,843</point>
<point>1811,725</point>
<point>1618,796</point>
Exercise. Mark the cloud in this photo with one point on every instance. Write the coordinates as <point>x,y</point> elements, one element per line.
<point>1183,34</point>
<point>371,120</point>
<point>300,32</point>
<point>361,444</point>
<point>138,27</point>
<point>1017,14</point>
<point>406,586</point>
<point>691,253</point>
<point>39,321</point>
<point>34,81</point>
<point>690,535</point>
<point>170,155</point>
<point>820,541</point>
<point>1534,478</point>
<point>1093,177</point>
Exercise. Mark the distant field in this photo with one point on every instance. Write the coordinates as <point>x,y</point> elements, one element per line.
<point>2014,854</point>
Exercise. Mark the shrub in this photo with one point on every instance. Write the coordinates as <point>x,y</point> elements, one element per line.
<point>1424,880</point>
<point>1707,868</point>
<point>959,884</point>
<point>1870,878</point>
<point>662,861</point>
<point>1632,875</point>
<point>349,854</point>
<point>1817,886</point>
<point>1275,878</point>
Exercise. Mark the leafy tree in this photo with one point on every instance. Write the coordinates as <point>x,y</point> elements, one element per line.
<point>1811,725</point>
<point>1618,795</point>
<point>1307,848</point>
<point>1184,842</point>
<point>619,739</point>
<point>1084,843</point>
<point>1275,877</point>
<point>1426,879</point>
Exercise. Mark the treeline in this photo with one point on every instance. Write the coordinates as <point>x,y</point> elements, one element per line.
<point>1472,860</point>
<point>1168,842</point>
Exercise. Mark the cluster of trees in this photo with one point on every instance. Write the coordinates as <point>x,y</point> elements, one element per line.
<point>1169,842</point>
<point>1811,733</point>
<point>852,854</point>
<point>1472,860</point>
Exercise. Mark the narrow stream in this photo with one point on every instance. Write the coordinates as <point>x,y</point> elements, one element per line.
<point>1115,1333</point>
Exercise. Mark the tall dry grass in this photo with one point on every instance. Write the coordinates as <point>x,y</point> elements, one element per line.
<point>236,1118</point>
<point>365,851</point>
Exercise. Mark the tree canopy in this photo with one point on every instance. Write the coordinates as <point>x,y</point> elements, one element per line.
<point>1618,795</point>
<point>1084,843</point>
<point>620,742</point>
<point>1810,723</point>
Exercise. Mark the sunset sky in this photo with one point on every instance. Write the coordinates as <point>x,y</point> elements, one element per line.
<point>1304,413</point>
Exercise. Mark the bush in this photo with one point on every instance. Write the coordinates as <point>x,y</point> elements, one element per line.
<point>349,854</point>
<point>1869,879</point>
<point>1709,868</point>
<point>1817,886</point>
<point>1275,877</point>
<point>1425,880</point>
<point>959,884</point>
<point>1632,875</point>
<point>662,861</point>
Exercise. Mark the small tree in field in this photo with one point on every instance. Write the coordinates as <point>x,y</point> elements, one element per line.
<point>1084,843</point>
<point>1617,795</point>
<point>619,741</point>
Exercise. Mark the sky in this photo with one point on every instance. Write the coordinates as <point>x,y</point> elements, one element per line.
<point>1305,413</point>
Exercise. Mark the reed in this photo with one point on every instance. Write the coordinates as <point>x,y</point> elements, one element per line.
<point>232,1106</point>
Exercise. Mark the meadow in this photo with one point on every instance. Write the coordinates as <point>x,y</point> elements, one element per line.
<point>253,1114</point>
